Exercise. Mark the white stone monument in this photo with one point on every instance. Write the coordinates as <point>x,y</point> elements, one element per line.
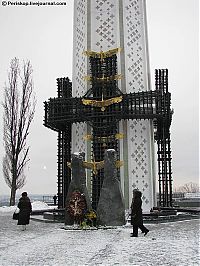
<point>104,25</point>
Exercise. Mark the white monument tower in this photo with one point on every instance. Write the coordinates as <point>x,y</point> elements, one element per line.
<point>102,25</point>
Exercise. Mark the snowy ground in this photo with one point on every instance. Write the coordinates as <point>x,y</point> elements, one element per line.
<point>45,244</point>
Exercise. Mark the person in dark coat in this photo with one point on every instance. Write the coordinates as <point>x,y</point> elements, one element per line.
<point>25,209</point>
<point>54,199</point>
<point>136,214</point>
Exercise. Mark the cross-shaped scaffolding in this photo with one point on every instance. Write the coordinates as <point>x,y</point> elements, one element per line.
<point>102,107</point>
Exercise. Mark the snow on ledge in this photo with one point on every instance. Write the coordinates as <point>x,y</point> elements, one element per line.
<point>36,205</point>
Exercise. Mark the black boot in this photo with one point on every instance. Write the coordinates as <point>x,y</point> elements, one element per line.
<point>132,235</point>
<point>146,232</point>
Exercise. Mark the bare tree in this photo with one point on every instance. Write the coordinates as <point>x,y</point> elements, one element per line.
<point>19,108</point>
<point>188,187</point>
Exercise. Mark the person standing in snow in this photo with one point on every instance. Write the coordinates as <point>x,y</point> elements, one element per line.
<point>136,214</point>
<point>25,209</point>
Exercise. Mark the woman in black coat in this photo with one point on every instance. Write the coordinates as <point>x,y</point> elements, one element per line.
<point>25,209</point>
<point>136,214</point>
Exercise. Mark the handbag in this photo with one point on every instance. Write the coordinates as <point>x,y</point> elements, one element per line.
<point>16,214</point>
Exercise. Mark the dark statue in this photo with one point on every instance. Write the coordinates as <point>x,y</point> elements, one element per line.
<point>77,200</point>
<point>111,209</point>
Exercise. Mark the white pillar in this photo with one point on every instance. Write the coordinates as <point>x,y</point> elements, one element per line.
<point>103,25</point>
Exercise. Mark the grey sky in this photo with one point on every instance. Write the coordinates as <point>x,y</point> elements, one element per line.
<point>44,35</point>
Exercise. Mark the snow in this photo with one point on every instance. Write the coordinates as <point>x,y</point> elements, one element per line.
<point>36,205</point>
<point>8,209</point>
<point>77,153</point>
<point>47,244</point>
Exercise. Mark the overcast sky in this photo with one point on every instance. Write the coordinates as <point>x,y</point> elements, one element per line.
<point>44,36</point>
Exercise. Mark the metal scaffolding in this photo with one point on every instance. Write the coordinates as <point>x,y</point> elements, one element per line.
<point>102,107</point>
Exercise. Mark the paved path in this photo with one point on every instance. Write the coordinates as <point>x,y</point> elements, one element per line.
<point>173,244</point>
